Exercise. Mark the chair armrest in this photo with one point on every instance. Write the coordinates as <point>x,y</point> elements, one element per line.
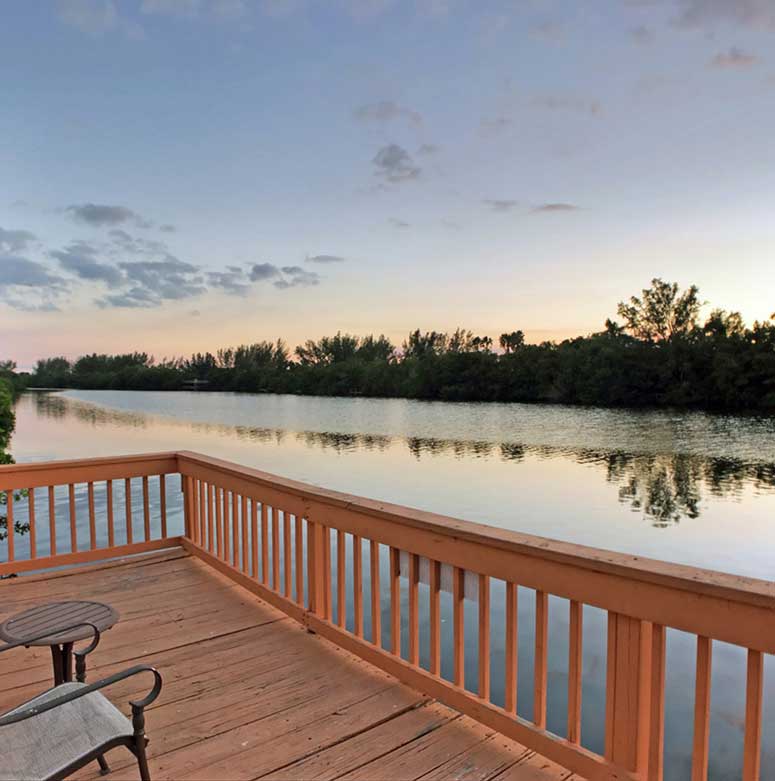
<point>137,706</point>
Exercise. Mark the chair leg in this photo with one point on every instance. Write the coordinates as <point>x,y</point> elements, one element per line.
<point>104,766</point>
<point>142,759</point>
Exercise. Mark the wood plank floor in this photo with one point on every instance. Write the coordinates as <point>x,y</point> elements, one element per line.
<point>248,693</point>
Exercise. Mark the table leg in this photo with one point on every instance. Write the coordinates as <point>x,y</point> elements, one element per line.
<point>56,658</point>
<point>67,662</point>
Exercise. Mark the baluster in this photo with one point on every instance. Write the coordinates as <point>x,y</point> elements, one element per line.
<point>92,518</point>
<point>357,586</point>
<point>752,749</point>
<point>52,523</point>
<point>226,531</point>
<point>244,519</point>
<point>414,613</point>
<point>376,617</point>
<point>702,709</point>
<point>73,533</point>
<point>265,544</point>
<point>657,718</point>
<point>541,641</point>
<point>484,637</point>
<point>163,506</point>
<point>325,534</point>
<point>109,503</point>
<point>435,617</point>
<point>219,522</point>
<point>395,601</point>
<point>204,512</point>
<point>275,549</point>
<point>10,525</point>
<point>510,675</point>
<point>287,553</point>
<point>33,529</point>
<point>147,509</point>
<point>310,566</point>
<point>458,614</point>
<point>574,671</point>
<point>128,509</point>
<point>340,578</point>
<point>235,524</point>
<point>298,528</point>
<point>254,537</point>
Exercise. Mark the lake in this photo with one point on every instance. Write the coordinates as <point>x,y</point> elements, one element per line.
<point>687,487</point>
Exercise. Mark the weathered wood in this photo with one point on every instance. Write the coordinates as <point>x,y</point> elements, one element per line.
<point>702,710</point>
<point>752,748</point>
<point>510,675</point>
<point>434,594</point>
<point>657,694</point>
<point>484,637</point>
<point>540,671</point>
<point>458,626</point>
<point>575,653</point>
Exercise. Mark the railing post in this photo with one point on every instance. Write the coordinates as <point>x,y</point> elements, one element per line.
<point>628,695</point>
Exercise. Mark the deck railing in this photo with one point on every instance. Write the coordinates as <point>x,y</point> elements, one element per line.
<point>315,553</point>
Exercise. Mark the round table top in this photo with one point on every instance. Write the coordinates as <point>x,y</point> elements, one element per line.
<point>58,616</point>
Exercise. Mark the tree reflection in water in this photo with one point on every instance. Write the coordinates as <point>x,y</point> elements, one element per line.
<point>664,488</point>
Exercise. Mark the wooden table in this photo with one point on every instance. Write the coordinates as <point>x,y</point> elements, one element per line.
<point>57,616</point>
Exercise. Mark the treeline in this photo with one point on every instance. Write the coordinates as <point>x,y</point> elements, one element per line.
<point>661,353</point>
<point>11,385</point>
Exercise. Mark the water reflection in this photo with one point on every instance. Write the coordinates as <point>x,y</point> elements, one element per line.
<point>663,488</point>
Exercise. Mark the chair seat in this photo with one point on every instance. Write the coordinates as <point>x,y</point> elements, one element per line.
<point>43,746</point>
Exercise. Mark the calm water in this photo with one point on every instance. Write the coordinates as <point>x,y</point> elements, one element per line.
<point>686,487</point>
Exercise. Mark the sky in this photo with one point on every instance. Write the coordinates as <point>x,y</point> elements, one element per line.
<point>180,175</point>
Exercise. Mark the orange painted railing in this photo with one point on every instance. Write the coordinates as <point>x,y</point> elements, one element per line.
<point>314,553</point>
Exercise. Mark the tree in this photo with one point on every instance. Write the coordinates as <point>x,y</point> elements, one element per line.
<point>662,314</point>
<point>510,343</point>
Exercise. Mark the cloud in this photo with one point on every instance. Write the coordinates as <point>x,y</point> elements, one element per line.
<point>29,286</point>
<point>89,16</point>
<point>169,278</point>
<point>755,14</point>
<point>134,298</point>
<point>642,34</point>
<point>566,103</point>
<point>385,111</point>
<point>500,205</point>
<point>734,59</point>
<point>396,223</point>
<point>260,272</point>
<point>15,240</point>
<point>325,259</point>
<point>79,259</point>
<point>167,228</point>
<point>555,207</point>
<point>101,215</point>
<point>427,149</point>
<point>125,243</point>
<point>97,17</point>
<point>394,164</point>
<point>233,281</point>
<point>296,276</point>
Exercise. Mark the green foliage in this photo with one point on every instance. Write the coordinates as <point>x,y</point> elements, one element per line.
<point>8,392</point>
<point>662,355</point>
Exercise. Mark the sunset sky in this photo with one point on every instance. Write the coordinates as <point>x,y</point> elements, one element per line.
<point>188,174</point>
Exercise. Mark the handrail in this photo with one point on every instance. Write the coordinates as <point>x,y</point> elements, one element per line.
<point>309,551</point>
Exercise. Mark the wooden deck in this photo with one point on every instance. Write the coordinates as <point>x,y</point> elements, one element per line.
<point>249,693</point>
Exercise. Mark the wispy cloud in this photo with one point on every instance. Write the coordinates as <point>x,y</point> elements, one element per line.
<point>544,208</point>
<point>756,14</point>
<point>15,240</point>
<point>296,276</point>
<point>500,205</point>
<point>734,59</point>
<point>29,286</point>
<point>396,223</point>
<point>386,111</point>
<point>80,258</point>
<point>101,215</point>
<point>325,259</point>
<point>394,164</point>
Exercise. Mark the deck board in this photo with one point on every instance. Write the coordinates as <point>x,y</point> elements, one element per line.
<point>248,693</point>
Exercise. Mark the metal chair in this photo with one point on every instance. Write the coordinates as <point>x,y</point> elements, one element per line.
<point>54,734</point>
